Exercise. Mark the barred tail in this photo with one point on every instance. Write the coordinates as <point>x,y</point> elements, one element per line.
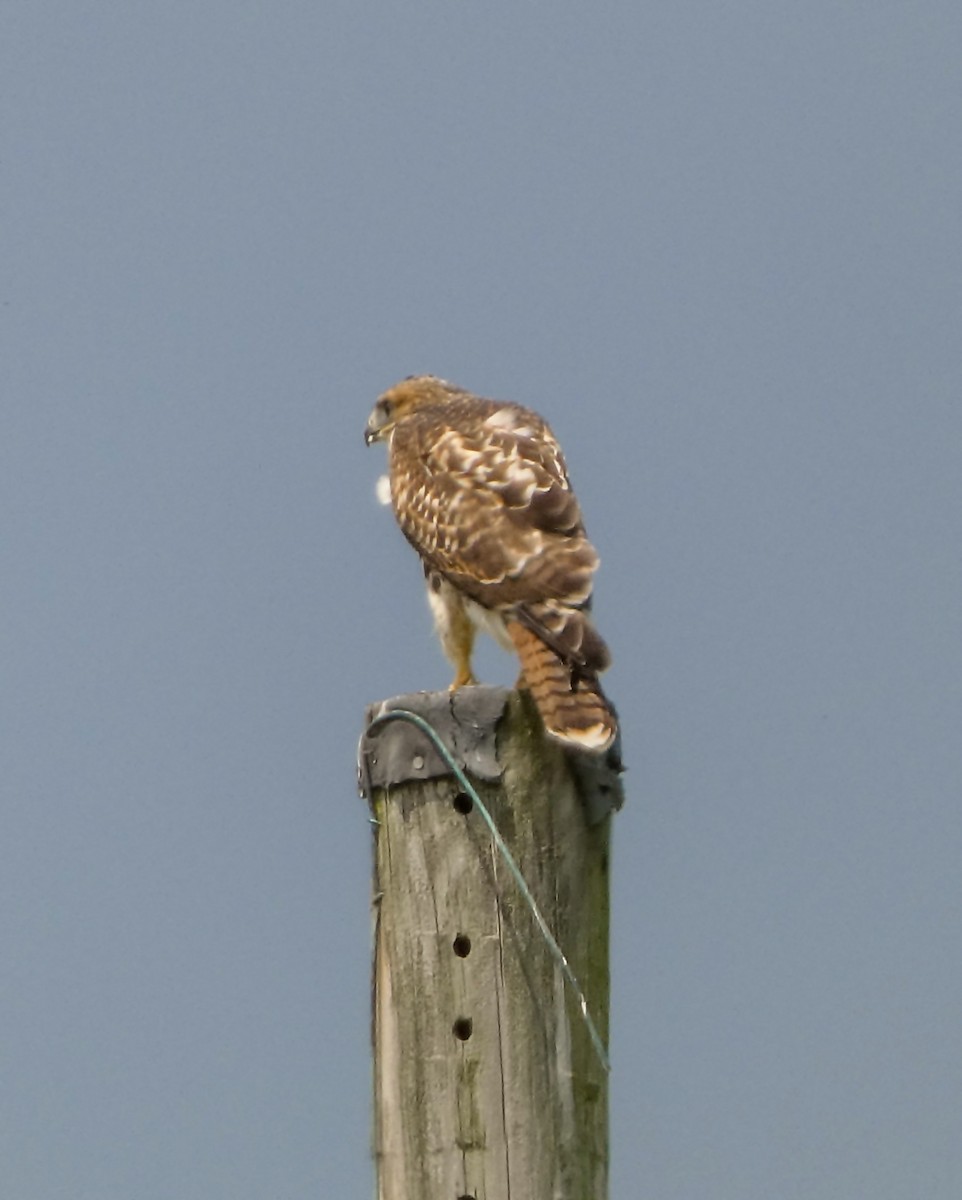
<point>572,704</point>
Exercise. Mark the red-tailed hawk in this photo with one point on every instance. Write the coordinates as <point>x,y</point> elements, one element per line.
<point>480,490</point>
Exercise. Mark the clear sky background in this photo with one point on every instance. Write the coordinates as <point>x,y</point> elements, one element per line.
<point>719,246</point>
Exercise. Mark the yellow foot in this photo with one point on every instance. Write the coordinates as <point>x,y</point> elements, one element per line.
<point>462,679</point>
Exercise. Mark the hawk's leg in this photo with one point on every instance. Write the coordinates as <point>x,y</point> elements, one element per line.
<point>455,628</point>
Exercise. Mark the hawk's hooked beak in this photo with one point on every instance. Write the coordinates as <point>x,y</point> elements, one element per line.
<point>380,422</point>
<point>374,430</point>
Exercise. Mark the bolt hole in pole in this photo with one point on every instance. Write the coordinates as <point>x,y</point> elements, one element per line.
<point>461,945</point>
<point>463,803</point>
<point>462,1028</point>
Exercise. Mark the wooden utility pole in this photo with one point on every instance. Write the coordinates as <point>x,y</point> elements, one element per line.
<point>487,1083</point>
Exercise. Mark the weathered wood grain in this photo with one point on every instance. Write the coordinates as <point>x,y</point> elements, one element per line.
<point>486,1081</point>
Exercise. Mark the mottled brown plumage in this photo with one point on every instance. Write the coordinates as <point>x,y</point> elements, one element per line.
<point>480,489</point>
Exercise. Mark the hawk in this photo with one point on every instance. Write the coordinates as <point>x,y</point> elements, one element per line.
<point>480,490</point>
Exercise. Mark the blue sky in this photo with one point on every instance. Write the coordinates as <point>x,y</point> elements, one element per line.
<point>718,247</point>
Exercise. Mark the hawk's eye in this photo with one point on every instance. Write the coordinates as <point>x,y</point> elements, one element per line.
<point>384,409</point>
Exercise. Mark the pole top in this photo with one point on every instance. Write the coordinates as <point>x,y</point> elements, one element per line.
<point>467,722</point>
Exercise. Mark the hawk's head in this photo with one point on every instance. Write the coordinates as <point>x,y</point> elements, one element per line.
<point>414,392</point>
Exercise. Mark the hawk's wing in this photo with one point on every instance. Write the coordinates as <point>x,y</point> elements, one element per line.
<point>481,491</point>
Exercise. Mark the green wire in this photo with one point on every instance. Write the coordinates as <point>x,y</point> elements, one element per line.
<point>402,714</point>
